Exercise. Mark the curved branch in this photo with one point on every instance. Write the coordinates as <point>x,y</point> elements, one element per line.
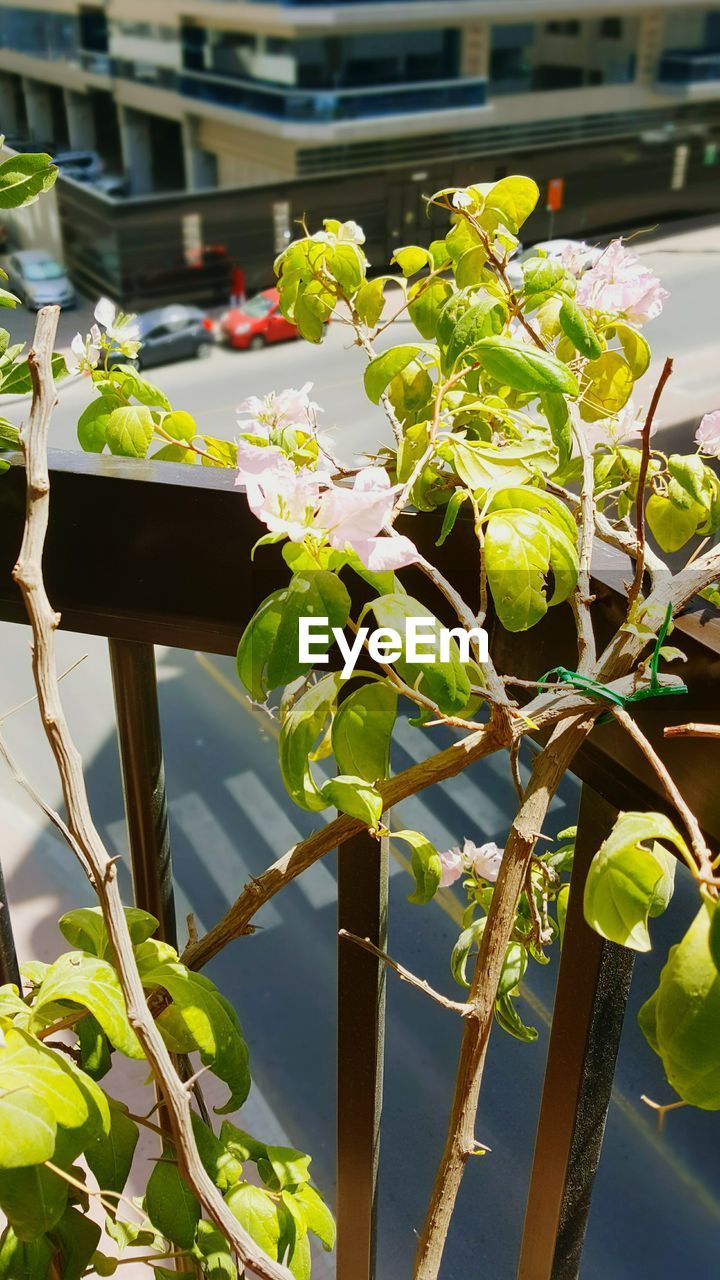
<point>92,853</point>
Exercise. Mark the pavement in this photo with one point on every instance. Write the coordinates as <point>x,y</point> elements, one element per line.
<point>656,1207</point>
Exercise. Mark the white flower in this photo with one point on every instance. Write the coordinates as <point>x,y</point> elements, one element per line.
<point>462,200</point>
<point>707,436</point>
<point>350,233</point>
<point>116,325</point>
<point>289,408</point>
<point>484,859</point>
<point>85,351</point>
<point>453,866</point>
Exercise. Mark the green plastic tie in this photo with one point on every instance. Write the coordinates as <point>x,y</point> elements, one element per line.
<point>594,689</point>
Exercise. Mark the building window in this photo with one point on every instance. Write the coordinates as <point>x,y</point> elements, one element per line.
<point>563,28</point>
<point>611,28</point>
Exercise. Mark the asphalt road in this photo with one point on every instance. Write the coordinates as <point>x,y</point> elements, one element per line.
<point>656,1208</point>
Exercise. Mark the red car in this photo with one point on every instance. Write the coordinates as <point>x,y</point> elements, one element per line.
<point>257,322</point>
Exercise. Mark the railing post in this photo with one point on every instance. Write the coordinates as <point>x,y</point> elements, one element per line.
<point>140,743</point>
<point>9,967</point>
<point>593,985</point>
<point>362,909</point>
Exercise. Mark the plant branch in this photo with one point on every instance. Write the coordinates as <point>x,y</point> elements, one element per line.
<point>692,731</point>
<point>95,858</point>
<point>582,597</point>
<point>405,974</point>
<point>702,854</point>
<point>636,583</point>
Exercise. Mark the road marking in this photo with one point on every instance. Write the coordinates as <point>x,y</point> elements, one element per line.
<point>475,803</point>
<point>218,856</point>
<point>269,819</point>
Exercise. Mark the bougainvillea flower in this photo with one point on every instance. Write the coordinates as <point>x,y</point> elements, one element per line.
<point>453,866</point>
<point>619,283</point>
<point>353,517</point>
<point>707,436</point>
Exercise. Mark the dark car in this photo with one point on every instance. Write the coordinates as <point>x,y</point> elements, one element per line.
<point>173,333</point>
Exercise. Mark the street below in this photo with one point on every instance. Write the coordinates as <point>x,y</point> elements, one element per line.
<point>230,817</point>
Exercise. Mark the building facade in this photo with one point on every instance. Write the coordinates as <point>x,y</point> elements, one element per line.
<point>237,93</point>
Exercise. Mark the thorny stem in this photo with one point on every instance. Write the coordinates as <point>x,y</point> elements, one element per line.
<point>93,855</point>
<point>404,974</point>
<point>636,584</point>
<point>702,853</point>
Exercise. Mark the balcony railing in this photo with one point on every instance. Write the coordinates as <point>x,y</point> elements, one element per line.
<point>324,106</point>
<point>136,590</point>
<point>686,67</point>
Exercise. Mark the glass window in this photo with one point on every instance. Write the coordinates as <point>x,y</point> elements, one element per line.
<point>611,28</point>
<point>260,305</point>
<point>37,271</point>
<point>563,28</point>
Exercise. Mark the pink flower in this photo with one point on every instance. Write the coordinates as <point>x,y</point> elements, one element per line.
<point>354,517</point>
<point>453,866</point>
<point>288,408</point>
<point>484,859</point>
<point>707,436</point>
<point>621,285</point>
<point>283,498</point>
<point>627,423</point>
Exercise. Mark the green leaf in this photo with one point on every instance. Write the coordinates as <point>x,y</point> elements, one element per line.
<point>8,299</point>
<point>215,1257</point>
<point>93,423</point>
<point>468,941</point>
<point>24,1260</point>
<point>27,1129</point>
<point>426,865</point>
<point>370,300</point>
<point>362,731</point>
<point>634,347</point>
<point>110,1156</point>
<point>427,300</point>
<point>509,1019</point>
<point>628,881</point>
<point>693,477</point>
<point>486,318</point>
<point>446,683</point>
<point>524,368</point>
<point>33,1200</point>
<point>283,1167</point>
<point>555,408</point>
<point>347,264</point>
<point>452,512</point>
<point>485,467</point>
<point>681,1020</point>
<point>170,1204</point>
<point>304,725</point>
<point>17,380</point>
<point>130,430</point>
<point>513,200</point>
<point>180,425</point>
<point>521,546</point>
<point>220,1164</point>
<point>77,1104</point>
<point>84,929</point>
<point>317,1216</point>
<point>577,327</point>
<point>78,978</point>
<point>381,371</point>
<point>211,1021</point>
<point>470,266</point>
<point>670,524</point>
<point>609,384</point>
<point>78,1237</point>
<point>133,384</point>
<point>355,797</point>
<point>268,653</point>
<point>25,177</point>
<point>258,1213</point>
<point>411,258</point>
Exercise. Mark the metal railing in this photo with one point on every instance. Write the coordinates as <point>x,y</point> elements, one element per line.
<point>174,568</point>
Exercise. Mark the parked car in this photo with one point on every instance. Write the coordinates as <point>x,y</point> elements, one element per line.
<point>550,249</point>
<point>172,333</point>
<point>257,322</point>
<point>38,280</point>
<point>83,166</point>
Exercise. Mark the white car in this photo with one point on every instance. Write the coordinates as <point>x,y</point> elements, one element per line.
<point>39,280</point>
<point>551,249</point>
